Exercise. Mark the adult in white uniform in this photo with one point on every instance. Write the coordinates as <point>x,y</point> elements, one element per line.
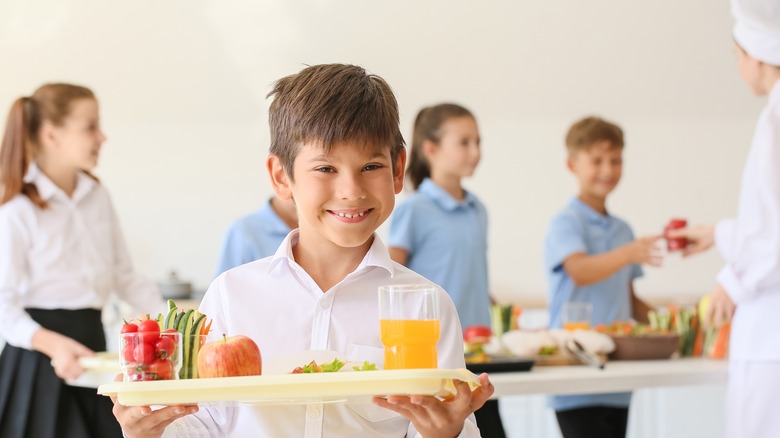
<point>748,286</point>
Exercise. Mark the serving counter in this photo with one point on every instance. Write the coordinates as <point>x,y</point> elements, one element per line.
<point>615,377</point>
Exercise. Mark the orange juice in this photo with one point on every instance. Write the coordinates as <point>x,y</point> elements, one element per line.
<point>576,325</point>
<point>409,343</point>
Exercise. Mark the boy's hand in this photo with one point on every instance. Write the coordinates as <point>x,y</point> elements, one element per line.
<point>142,422</point>
<point>700,238</point>
<point>645,251</point>
<point>436,418</point>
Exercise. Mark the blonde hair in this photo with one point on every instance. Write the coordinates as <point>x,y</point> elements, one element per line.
<point>585,132</point>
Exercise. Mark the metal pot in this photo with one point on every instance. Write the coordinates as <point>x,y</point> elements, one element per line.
<point>175,288</point>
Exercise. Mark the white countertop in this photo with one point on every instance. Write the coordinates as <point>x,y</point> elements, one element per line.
<point>616,376</point>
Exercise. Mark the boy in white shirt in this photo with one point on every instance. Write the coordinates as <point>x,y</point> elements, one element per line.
<point>337,150</point>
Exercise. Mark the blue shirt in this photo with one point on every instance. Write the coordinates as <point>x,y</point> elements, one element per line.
<point>446,241</point>
<point>579,228</point>
<point>251,238</point>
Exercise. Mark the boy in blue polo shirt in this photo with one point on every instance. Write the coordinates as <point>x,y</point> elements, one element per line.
<point>257,235</point>
<point>591,256</point>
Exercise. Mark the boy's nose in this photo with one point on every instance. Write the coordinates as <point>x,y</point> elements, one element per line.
<point>351,187</point>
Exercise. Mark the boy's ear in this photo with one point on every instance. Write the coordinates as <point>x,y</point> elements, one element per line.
<point>570,163</point>
<point>280,181</point>
<point>398,172</point>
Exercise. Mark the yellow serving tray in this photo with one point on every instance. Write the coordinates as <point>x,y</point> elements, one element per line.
<point>291,388</point>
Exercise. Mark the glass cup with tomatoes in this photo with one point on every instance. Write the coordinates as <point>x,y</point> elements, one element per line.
<point>146,354</point>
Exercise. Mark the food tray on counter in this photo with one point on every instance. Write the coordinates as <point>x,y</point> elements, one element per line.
<point>501,364</point>
<point>291,388</point>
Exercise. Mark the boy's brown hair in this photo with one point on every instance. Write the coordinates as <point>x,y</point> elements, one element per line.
<point>328,104</point>
<point>584,133</point>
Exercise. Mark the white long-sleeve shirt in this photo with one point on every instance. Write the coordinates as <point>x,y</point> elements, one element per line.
<point>277,304</point>
<point>750,244</point>
<point>70,255</point>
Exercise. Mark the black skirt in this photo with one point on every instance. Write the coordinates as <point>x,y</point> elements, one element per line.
<point>34,402</point>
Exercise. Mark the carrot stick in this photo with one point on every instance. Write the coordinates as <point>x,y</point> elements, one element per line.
<point>721,347</point>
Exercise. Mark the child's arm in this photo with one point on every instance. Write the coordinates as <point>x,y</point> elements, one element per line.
<point>398,255</point>
<point>639,307</point>
<point>587,269</point>
<point>433,417</point>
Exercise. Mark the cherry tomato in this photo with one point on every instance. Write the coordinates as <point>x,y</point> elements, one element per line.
<point>128,352</point>
<point>143,353</point>
<point>164,347</point>
<point>149,331</point>
<point>171,331</point>
<point>129,327</point>
<point>163,368</point>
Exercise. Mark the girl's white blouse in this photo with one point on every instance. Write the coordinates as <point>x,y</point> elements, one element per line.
<point>70,255</point>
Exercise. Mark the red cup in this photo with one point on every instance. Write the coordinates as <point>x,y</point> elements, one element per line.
<point>677,243</point>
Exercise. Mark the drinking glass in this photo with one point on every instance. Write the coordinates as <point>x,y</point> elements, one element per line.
<point>576,315</point>
<point>409,325</point>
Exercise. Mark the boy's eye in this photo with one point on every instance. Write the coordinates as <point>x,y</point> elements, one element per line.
<point>372,167</point>
<point>325,169</point>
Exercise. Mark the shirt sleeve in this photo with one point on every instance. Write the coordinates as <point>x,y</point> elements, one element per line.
<point>401,233</point>
<point>564,238</point>
<point>130,286</point>
<point>16,326</point>
<point>753,263</point>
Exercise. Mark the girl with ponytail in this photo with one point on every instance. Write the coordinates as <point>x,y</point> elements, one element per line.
<point>61,255</point>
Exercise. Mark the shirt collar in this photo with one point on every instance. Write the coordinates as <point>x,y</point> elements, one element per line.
<point>377,255</point>
<point>442,197</point>
<point>588,211</point>
<point>47,189</point>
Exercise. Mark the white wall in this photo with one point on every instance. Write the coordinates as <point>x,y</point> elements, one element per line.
<point>182,86</point>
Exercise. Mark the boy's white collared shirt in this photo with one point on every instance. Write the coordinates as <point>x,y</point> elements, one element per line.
<point>277,304</point>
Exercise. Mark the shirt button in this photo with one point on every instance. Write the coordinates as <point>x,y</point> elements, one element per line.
<point>315,412</point>
<point>324,304</point>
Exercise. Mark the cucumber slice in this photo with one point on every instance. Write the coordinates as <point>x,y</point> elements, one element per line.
<point>176,320</point>
<point>194,347</point>
<point>183,326</point>
<point>169,318</point>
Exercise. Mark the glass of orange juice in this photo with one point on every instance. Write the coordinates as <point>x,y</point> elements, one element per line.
<point>409,325</point>
<point>576,315</point>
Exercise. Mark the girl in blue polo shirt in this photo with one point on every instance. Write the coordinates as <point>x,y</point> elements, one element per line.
<point>440,231</point>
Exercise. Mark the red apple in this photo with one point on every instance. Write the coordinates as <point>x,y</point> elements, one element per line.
<point>229,357</point>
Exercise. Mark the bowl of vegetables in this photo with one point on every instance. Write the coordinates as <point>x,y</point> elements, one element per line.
<point>640,342</point>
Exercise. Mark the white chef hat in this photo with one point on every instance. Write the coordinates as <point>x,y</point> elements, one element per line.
<point>757,28</point>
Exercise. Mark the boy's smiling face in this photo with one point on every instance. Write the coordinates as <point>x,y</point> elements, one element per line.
<point>342,195</point>
<point>597,168</point>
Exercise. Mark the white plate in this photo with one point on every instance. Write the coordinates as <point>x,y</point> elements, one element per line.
<point>291,388</point>
<point>103,361</point>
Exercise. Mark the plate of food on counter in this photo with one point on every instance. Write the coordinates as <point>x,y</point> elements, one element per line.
<point>520,350</point>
